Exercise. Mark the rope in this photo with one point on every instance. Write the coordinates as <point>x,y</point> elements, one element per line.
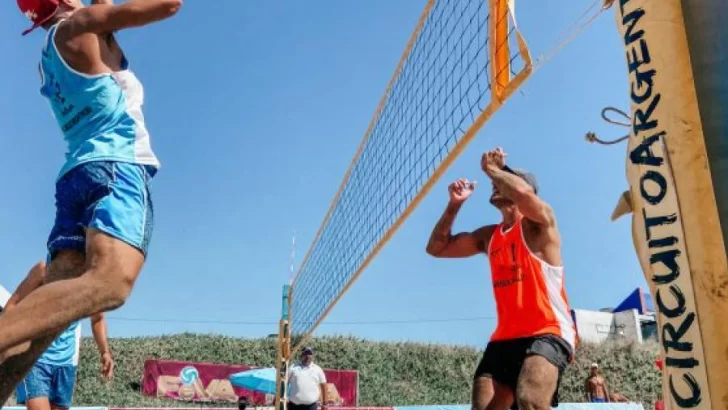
<point>576,29</point>
<point>616,122</point>
<point>592,137</point>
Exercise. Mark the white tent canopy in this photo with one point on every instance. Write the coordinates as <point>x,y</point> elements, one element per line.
<point>4,296</point>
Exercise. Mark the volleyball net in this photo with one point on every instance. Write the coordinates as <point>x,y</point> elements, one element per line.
<point>464,59</point>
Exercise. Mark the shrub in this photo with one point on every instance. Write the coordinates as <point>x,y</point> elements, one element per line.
<point>389,373</point>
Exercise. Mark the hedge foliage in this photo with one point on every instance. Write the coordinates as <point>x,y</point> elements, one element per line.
<point>390,373</point>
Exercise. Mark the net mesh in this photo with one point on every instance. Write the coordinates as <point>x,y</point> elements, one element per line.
<point>443,85</point>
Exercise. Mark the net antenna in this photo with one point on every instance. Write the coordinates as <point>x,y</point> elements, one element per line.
<point>283,347</point>
<point>464,59</point>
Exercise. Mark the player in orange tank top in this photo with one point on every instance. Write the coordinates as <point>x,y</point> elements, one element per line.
<point>535,336</point>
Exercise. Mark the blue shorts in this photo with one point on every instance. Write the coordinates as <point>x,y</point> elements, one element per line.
<point>48,381</point>
<point>598,400</point>
<point>113,197</point>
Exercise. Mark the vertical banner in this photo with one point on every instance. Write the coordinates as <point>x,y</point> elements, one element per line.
<point>675,225</point>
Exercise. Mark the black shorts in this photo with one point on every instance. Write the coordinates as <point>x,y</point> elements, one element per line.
<point>502,360</point>
<point>294,406</point>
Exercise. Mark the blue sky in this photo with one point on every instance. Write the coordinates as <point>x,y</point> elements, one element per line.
<point>255,110</point>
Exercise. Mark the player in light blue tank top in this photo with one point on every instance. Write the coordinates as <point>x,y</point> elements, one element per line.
<point>100,115</point>
<point>104,213</point>
<point>101,119</point>
<point>65,349</point>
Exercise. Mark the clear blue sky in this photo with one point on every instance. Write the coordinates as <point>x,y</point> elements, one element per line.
<point>255,110</point>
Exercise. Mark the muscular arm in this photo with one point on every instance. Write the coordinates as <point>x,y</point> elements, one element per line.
<point>32,281</point>
<point>443,244</point>
<point>106,17</point>
<point>517,190</point>
<point>98,327</point>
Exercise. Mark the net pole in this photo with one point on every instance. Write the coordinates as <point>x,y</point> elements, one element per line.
<point>707,37</point>
<point>284,352</point>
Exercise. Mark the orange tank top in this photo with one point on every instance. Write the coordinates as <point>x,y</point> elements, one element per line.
<point>529,293</point>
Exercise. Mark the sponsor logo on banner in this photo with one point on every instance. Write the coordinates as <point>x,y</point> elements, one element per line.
<point>188,386</point>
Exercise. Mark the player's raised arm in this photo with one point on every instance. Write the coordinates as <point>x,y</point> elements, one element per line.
<point>108,18</point>
<point>515,188</point>
<point>443,244</point>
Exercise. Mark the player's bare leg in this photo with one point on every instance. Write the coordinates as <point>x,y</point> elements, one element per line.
<point>109,271</point>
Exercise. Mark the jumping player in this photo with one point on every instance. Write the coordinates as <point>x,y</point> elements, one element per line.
<point>51,382</point>
<point>104,215</point>
<point>535,336</point>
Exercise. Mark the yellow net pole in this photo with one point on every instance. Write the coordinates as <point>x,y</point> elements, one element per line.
<point>283,359</point>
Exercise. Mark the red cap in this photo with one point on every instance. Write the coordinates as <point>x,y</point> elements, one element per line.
<point>38,11</point>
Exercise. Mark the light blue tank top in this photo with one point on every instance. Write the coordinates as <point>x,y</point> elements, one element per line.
<point>100,115</point>
<point>64,351</point>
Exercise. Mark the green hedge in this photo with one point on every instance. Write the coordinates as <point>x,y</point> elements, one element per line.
<point>390,373</point>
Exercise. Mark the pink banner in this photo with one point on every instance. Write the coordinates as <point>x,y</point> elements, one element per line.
<point>207,382</point>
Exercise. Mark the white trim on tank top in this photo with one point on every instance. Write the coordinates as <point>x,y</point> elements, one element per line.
<point>559,304</point>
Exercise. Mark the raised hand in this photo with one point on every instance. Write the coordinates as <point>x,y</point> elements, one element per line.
<point>460,190</point>
<point>493,160</point>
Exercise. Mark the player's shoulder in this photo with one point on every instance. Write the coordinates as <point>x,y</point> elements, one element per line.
<point>538,226</point>
<point>486,231</point>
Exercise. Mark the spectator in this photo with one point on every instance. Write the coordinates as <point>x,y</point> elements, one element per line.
<point>659,404</point>
<point>596,386</point>
<point>305,382</point>
<point>243,402</point>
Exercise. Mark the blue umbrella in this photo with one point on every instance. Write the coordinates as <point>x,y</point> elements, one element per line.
<point>260,380</point>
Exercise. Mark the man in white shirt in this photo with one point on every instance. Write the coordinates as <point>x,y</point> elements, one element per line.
<point>305,382</point>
